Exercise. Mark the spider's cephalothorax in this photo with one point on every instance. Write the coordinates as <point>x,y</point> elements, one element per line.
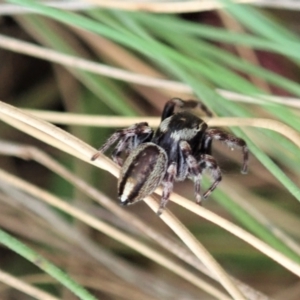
<point>180,148</point>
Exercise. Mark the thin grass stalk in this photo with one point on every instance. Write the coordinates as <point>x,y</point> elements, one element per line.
<point>28,152</point>
<point>9,9</point>
<point>115,122</point>
<point>170,7</point>
<point>71,237</point>
<point>44,264</point>
<point>62,136</point>
<point>179,65</point>
<point>10,114</point>
<point>108,230</point>
<point>24,287</point>
<point>72,61</point>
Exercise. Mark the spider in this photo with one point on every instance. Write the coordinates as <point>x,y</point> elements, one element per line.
<point>179,149</point>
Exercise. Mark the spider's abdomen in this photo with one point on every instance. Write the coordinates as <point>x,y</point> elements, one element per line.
<point>142,172</point>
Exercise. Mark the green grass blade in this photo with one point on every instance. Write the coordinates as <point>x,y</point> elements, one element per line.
<point>186,28</point>
<point>270,165</point>
<point>44,265</point>
<point>261,25</point>
<point>103,88</point>
<point>249,222</point>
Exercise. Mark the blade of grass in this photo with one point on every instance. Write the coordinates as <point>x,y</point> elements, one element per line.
<point>76,147</point>
<point>132,41</point>
<point>263,26</point>
<point>212,33</point>
<point>251,224</point>
<point>104,89</point>
<point>28,152</point>
<point>199,48</point>
<point>24,287</point>
<point>239,213</point>
<point>278,80</point>
<point>270,165</point>
<point>197,88</point>
<point>118,235</point>
<point>26,252</point>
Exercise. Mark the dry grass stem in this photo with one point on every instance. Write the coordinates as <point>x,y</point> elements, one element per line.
<point>259,99</point>
<point>102,162</point>
<point>18,46</point>
<point>283,4</point>
<point>63,62</point>
<point>170,7</point>
<point>111,121</point>
<point>24,287</point>
<point>110,231</point>
<point>73,239</point>
<point>115,289</point>
<point>46,132</point>
<point>11,9</point>
<point>237,231</point>
<point>42,131</point>
<point>8,113</point>
<point>28,152</point>
<point>238,195</point>
<point>197,249</point>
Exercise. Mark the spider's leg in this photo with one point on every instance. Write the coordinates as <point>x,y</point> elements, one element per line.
<point>194,168</point>
<point>206,145</point>
<point>208,162</point>
<point>142,136</point>
<point>232,142</point>
<point>168,184</point>
<point>188,104</point>
<point>116,154</point>
<point>128,144</point>
<point>140,130</point>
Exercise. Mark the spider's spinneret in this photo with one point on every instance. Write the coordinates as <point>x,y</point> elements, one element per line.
<point>180,148</point>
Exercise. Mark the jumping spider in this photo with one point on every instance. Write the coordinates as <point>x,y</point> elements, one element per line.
<point>180,148</point>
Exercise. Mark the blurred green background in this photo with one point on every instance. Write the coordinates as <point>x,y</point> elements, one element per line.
<point>246,50</point>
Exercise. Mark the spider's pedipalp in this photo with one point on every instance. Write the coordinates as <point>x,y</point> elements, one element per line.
<point>140,131</point>
<point>120,148</point>
<point>232,142</point>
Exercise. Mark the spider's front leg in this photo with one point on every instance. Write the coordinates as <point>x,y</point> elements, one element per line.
<point>231,141</point>
<point>123,145</point>
<point>129,138</point>
<point>208,162</point>
<point>196,169</point>
<point>168,183</point>
<point>193,167</point>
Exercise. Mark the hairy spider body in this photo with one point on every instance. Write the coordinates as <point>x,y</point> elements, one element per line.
<point>180,148</point>
<point>142,172</point>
